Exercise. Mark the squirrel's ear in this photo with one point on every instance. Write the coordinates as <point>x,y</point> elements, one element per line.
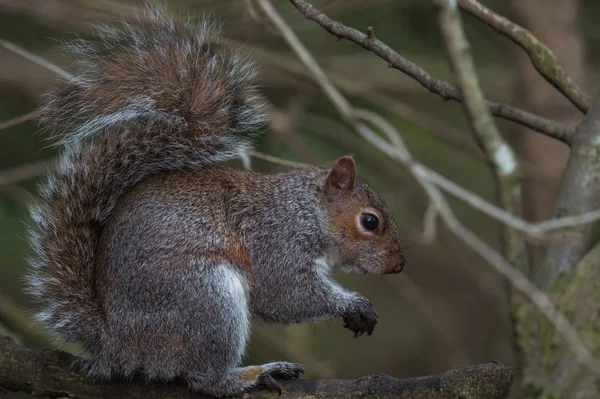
<point>342,177</point>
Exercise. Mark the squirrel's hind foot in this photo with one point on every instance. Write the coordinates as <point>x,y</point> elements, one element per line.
<point>248,379</point>
<point>270,372</point>
<point>283,370</point>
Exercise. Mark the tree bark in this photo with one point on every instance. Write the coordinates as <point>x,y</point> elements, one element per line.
<point>551,370</point>
<point>50,374</point>
<point>567,269</point>
<point>554,23</point>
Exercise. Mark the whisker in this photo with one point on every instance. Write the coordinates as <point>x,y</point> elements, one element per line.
<point>403,247</point>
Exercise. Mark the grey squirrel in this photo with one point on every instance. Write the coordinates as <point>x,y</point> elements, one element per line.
<point>154,254</point>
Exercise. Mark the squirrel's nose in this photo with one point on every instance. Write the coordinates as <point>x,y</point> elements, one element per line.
<point>400,266</point>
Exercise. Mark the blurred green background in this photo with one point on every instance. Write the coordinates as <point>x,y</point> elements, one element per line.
<point>448,308</point>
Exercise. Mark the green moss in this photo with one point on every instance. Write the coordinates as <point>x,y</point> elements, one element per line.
<point>577,296</point>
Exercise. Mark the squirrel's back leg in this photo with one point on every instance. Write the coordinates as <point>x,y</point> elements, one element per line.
<point>227,379</point>
<point>194,324</point>
<point>170,315</point>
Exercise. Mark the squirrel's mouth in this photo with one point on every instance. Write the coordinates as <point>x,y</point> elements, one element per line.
<point>356,269</point>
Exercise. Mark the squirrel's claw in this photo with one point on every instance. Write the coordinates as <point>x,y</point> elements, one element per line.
<point>361,319</point>
<point>280,370</point>
<point>267,382</point>
<point>287,371</point>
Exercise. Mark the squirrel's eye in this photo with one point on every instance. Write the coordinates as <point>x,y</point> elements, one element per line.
<point>369,221</point>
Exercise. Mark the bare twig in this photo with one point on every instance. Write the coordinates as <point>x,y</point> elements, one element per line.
<point>18,120</point>
<point>30,171</point>
<point>486,133</point>
<point>340,102</point>
<point>400,153</point>
<point>34,58</point>
<point>24,172</point>
<point>253,13</point>
<point>531,229</point>
<point>505,167</point>
<point>438,129</point>
<point>364,90</point>
<point>429,224</point>
<point>542,58</point>
<point>278,161</point>
<point>436,86</point>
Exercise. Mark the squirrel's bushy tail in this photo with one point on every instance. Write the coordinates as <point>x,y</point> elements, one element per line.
<point>151,97</point>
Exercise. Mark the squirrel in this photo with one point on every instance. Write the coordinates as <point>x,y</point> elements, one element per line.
<point>152,252</point>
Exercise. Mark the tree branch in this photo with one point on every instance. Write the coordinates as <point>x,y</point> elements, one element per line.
<point>538,229</point>
<point>542,58</point>
<point>24,172</point>
<point>50,373</point>
<point>436,86</point>
<point>34,58</point>
<point>580,178</point>
<point>20,119</point>
<point>505,167</point>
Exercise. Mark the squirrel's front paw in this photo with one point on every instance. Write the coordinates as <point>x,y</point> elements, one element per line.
<point>361,318</point>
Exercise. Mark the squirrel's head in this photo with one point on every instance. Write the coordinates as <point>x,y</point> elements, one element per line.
<point>364,233</point>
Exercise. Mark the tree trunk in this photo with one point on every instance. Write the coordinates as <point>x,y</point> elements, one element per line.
<point>548,368</point>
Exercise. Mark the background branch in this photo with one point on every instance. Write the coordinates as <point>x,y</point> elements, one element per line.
<point>20,119</point>
<point>367,91</point>
<point>503,160</point>
<point>436,86</point>
<point>24,172</point>
<point>34,58</point>
<point>542,58</point>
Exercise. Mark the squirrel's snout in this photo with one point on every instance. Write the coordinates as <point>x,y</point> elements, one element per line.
<point>399,267</point>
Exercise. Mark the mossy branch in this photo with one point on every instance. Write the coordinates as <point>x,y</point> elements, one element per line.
<point>542,58</point>
<point>51,374</point>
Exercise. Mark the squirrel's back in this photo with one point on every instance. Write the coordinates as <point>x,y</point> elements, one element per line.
<point>151,97</point>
